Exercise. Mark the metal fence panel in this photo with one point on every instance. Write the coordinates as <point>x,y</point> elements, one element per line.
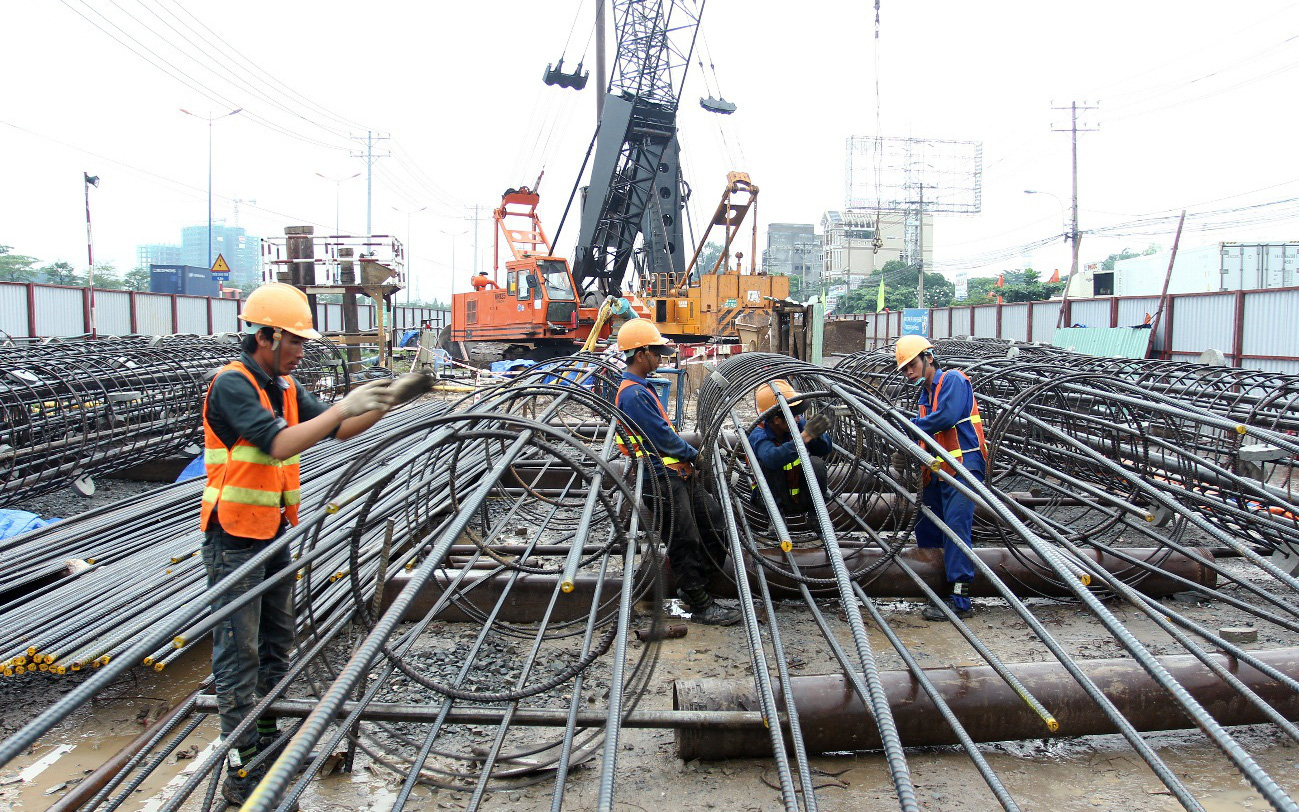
<point>225,316</point>
<point>1014,321</point>
<point>1203,322</point>
<point>960,321</point>
<point>1133,311</point>
<point>191,315</point>
<point>985,321</point>
<point>1269,324</point>
<point>365,318</point>
<point>13,309</point>
<point>153,314</point>
<point>938,321</point>
<point>1286,367</point>
<point>1089,313</point>
<point>59,311</point>
<point>1045,315</point>
<point>112,312</point>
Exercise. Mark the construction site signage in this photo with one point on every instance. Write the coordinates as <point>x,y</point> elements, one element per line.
<point>915,321</point>
<point>220,270</point>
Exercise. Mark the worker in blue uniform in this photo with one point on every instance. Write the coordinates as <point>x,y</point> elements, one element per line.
<point>777,453</point>
<point>949,413</point>
<point>692,528</point>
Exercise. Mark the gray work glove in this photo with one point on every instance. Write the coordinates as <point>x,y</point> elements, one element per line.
<point>409,386</point>
<point>818,424</point>
<point>368,397</point>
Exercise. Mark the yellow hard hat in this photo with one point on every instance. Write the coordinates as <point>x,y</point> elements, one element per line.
<point>639,333</point>
<point>766,398</point>
<point>280,306</point>
<point>909,347</point>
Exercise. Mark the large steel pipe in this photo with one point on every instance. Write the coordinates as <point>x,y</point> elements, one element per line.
<point>529,596</point>
<point>834,719</point>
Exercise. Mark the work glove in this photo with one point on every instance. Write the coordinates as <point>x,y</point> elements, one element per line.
<point>818,424</point>
<point>368,397</point>
<point>409,386</point>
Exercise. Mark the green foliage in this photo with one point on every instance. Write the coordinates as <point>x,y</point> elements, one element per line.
<point>1108,264</point>
<point>106,277</point>
<point>1028,287</point>
<point>16,267</point>
<point>901,289</point>
<point>60,273</point>
<point>136,279</point>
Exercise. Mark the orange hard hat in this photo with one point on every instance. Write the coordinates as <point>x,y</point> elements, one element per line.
<point>766,398</point>
<point>281,306</point>
<point>909,347</point>
<point>639,333</point>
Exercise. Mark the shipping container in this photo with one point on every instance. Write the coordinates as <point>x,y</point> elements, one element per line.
<point>164,279</point>
<point>185,280</point>
<point>1202,269</point>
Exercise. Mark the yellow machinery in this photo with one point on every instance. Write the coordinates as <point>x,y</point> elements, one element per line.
<point>707,302</point>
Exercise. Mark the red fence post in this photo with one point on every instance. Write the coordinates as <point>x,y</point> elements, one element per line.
<point>85,309</point>
<point>999,306</point>
<point>31,310</point>
<point>1238,341</point>
<point>134,326</point>
<point>1114,311</point>
<point>175,314</point>
<point>1028,334</point>
<point>1167,354</point>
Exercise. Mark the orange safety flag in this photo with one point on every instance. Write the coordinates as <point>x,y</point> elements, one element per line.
<point>1055,276</point>
<point>1001,280</point>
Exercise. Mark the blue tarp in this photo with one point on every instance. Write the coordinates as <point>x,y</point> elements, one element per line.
<point>16,522</point>
<point>511,366</point>
<point>194,469</point>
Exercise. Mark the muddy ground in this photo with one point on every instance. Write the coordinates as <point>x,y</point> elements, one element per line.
<point>1084,773</point>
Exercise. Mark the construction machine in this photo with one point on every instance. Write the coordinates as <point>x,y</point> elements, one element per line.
<point>714,302</point>
<point>537,312</point>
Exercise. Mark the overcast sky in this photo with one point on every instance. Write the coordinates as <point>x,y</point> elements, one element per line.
<point>1195,109</point>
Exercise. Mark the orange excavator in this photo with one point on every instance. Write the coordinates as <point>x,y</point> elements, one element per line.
<point>537,312</point>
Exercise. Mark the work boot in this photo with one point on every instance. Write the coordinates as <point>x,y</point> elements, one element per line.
<point>704,609</point>
<point>933,613</point>
<point>236,788</point>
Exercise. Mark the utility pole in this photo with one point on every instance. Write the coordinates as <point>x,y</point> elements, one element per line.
<point>1075,235</point>
<point>475,219</point>
<point>920,241</point>
<point>369,156</point>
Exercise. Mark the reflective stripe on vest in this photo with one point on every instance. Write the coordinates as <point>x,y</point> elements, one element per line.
<point>255,491</point>
<point>634,445</point>
<point>950,439</point>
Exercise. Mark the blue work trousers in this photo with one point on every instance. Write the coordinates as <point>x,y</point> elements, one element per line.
<point>957,512</point>
<point>250,648</point>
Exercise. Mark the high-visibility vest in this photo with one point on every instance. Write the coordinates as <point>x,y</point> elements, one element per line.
<point>949,438</point>
<point>256,491</point>
<point>633,445</point>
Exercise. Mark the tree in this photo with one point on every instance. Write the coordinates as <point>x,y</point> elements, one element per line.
<point>60,273</point>
<point>106,277</point>
<point>136,279</point>
<point>901,289</point>
<point>16,267</point>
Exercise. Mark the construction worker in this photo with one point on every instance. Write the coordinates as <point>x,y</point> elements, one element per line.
<point>483,282</point>
<point>773,443</point>
<point>950,414</point>
<point>256,421</point>
<point>692,530</point>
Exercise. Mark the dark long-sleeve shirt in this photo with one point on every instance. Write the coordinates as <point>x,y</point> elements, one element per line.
<point>643,407</point>
<point>775,451</point>
<point>955,402</point>
<point>234,408</point>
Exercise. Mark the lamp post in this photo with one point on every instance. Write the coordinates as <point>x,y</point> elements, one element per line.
<point>209,118</point>
<point>410,260</point>
<point>90,180</point>
<point>338,192</point>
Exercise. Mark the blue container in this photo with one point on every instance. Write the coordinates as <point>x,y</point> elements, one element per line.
<point>164,279</point>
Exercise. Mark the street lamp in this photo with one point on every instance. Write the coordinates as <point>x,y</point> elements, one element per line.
<point>410,260</point>
<point>338,191</point>
<point>209,118</point>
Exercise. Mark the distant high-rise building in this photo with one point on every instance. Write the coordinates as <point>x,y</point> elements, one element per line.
<point>241,251</point>
<point>793,249</point>
<point>853,249</point>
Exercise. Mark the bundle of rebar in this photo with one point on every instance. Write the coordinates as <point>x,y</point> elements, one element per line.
<point>75,410</point>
